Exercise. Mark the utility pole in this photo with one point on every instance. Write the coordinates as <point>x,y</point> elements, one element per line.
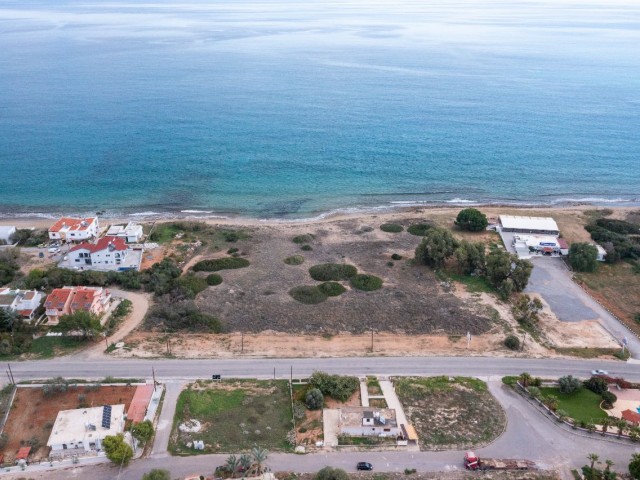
<point>524,337</point>
<point>274,373</point>
<point>153,373</point>
<point>371,338</point>
<point>291,375</point>
<point>106,344</point>
<point>13,380</point>
<point>242,341</point>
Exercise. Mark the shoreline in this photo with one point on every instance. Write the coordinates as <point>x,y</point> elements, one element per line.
<point>43,220</point>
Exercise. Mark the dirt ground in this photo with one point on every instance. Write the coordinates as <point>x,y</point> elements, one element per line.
<point>33,415</point>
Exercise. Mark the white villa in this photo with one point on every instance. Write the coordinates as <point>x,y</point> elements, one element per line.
<point>369,421</point>
<point>24,302</point>
<point>84,428</point>
<point>108,253</point>
<point>69,229</point>
<point>131,232</point>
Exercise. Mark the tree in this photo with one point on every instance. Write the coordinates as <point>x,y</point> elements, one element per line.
<point>142,431</point>
<point>583,257</point>
<point>552,402</point>
<point>157,474</point>
<point>314,399</point>
<point>507,272</point>
<point>535,392</point>
<point>87,323</point>
<point>605,423</point>
<point>259,457</point>
<point>525,310</point>
<point>569,384</point>
<point>436,247</point>
<point>117,450</point>
<point>471,219</point>
<point>525,379</point>
<point>634,466</point>
<point>512,342</point>
<point>330,473</point>
<point>470,257</point>
<point>593,458</point>
<point>596,385</point>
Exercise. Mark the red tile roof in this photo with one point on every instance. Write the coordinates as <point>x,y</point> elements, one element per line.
<point>23,453</point>
<point>25,313</point>
<point>83,299</point>
<point>631,416</point>
<point>72,224</point>
<point>563,243</point>
<point>139,403</point>
<point>58,298</point>
<point>102,244</point>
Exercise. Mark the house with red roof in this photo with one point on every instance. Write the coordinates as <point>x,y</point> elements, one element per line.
<point>68,300</point>
<point>69,229</point>
<point>23,302</point>
<point>108,253</point>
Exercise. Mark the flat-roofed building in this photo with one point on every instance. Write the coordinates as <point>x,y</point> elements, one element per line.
<point>368,421</point>
<point>539,225</point>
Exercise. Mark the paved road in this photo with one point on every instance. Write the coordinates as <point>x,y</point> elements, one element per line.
<point>551,279</point>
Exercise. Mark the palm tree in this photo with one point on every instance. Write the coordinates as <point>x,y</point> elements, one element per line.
<point>605,422</point>
<point>609,464</point>
<point>259,457</point>
<point>593,458</point>
<point>622,426</point>
<point>525,379</point>
<point>232,465</point>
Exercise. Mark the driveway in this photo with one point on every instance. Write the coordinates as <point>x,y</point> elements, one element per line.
<point>552,280</point>
<point>330,424</point>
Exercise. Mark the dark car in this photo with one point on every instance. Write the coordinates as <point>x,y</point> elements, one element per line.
<point>364,466</point>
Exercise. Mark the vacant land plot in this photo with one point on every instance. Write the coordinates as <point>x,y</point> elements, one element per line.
<point>309,428</point>
<point>233,416</point>
<point>33,414</point>
<point>458,413</point>
<point>583,405</point>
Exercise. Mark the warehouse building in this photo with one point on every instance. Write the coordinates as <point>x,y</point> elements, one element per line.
<point>533,225</point>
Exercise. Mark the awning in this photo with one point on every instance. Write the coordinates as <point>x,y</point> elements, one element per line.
<point>409,432</point>
<point>23,453</point>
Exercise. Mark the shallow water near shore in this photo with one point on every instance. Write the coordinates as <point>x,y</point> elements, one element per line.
<point>287,109</point>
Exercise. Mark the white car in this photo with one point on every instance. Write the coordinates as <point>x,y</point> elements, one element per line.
<point>599,372</point>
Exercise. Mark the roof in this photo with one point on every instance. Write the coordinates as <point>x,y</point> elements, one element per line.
<point>23,453</point>
<point>102,244</point>
<point>352,416</point>
<point>69,223</point>
<point>58,298</point>
<point>528,223</point>
<point>84,298</point>
<point>73,426</point>
<point>410,432</point>
<point>139,403</point>
<point>124,230</point>
<point>563,243</point>
<point>7,299</point>
<point>631,416</point>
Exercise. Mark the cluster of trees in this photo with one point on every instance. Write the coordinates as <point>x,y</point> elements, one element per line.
<point>245,465</point>
<point>591,472</point>
<point>26,237</point>
<point>619,238</point>
<point>335,386</point>
<point>526,311</point>
<point>9,268</point>
<point>83,322</point>
<point>16,335</point>
<point>583,257</point>
<point>505,271</point>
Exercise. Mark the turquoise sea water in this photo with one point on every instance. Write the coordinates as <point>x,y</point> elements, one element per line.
<point>291,109</point>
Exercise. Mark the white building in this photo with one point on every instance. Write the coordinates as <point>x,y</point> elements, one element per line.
<point>84,428</point>
<point>108,253</point>
<point>131,232</point>
<point>538,225</point>
<point>5,233</point>
<point>69,229</point>
<point>368,421</point>
<point>24,302</point>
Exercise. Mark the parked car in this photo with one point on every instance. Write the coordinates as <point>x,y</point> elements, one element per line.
<point>364,466</point>
<point>599,372</point>
<point>54,249</point>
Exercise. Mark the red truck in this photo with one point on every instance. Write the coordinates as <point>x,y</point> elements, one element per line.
<point>473,462</point>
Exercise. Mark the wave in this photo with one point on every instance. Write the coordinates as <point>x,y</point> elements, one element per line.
<point>460,200</point>
<point>196,211</point>
<point>595,200</point>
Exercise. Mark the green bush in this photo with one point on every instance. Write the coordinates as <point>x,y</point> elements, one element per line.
<point>213,279</point>
<point>326,272</point>
<point>192,285</point>
<point>314,399</point>
<point>512,342</point>
<point>471,219</point>
<point>303,238</point>
<point>596,385</point>
<point>306,248</point>
<point>367,283</point>
<point>609,397</point>
<point>331,289</point>
<point>395,256</point>
<point>294,260</point>
<point>232,251</point>
<point>419,229</point>
<point>569,384</point>
<point>335,386</point>
<point>583,257</point>
<point>142,431</point>
<point>330,473</point>
<point>225,263</point>
<point>157,474</point>
<point>308,294</point>
<point>391,228</point>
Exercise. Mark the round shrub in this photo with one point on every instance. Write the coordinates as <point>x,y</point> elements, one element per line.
<point>303,238</point>
<point>512,342</point>
<point>390,264</point>
<point>332,289</point>
<point>294,260</point>
<point>314,399</point>
<point>395,256</point>
<point>306,248</point>
<point>308,294</point>
<point>365,282</point>
<point>419,229</point>
<point>609,397</point>
<point>391,228</point>
<point>327,272</point>
<point>471,219</point>
<point>231,251</point>
<point>330,473</point>
<point>226,263</point>
<point>214,279</point>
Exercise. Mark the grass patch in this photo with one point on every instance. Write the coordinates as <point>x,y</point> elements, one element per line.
<point>373,386</point>
<point>419,229</point>
<point>294,260</point>
<point>391,228</point>
<point>49,347</point>
<point>583,405</point>
<point>589,352</point>
<point>473,284</point>
<point>365,441</point>
<point>308,294</point>
<point>226,263</point>
<point>213,279</point>
<point>430,403</point>
<point>367,283</point>
<point>378,403</point>
<point>326,272</point>
<point>235,416</point>
<point>332,289</point>
<point>300,239</point>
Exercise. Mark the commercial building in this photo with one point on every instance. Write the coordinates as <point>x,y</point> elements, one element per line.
<point>131,232</point>
<point>534,225</point>
<point>69,229</point>
<point>68,300</point>
<point>84,429</point>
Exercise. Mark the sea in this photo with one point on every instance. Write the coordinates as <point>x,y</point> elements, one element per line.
<point>295,109</point>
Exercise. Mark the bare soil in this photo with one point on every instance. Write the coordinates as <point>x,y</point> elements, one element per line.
<point>33,415</point>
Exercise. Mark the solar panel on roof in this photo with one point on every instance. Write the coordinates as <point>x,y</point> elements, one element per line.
<point>106,416</point>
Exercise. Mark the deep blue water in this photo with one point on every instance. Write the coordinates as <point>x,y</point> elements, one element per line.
<point>294,108</point>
